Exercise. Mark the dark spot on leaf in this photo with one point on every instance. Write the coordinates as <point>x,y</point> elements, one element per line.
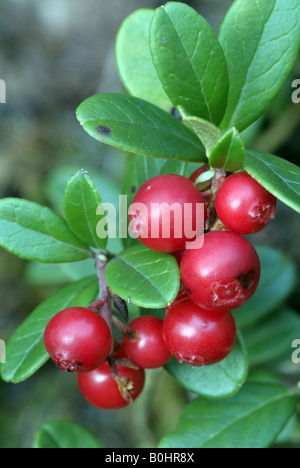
<point>141,105</point>
<point>133,189</point>
<point>176,113</point>
<point>103,130</point>
<point>247,280</point>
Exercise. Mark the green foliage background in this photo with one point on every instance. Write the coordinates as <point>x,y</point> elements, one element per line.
<point>52,58</point>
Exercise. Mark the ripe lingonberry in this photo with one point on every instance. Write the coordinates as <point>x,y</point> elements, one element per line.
<point>166,213</point>
<point>182,294</point>
<point>100,389</point>
<point>149,351</point>
<point>78,339</point>
<point>196,336</point>
<point>223,274</point>
<point>243,205</point>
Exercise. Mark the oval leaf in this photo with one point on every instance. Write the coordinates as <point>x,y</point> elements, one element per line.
<point>229,152</point>
<point>25,351</point>
<point>144,277</point>
<point>64,435</point>
<point>81,200</point>
<point>189,61</point>
<point>251,419</point>
<point>207,132</point>
<point>134,60</point>
<point>137,126</point>
<point>218,381</point>
<point>34,232</point>
<point>261,42</point>
<point>271,339</point>
<point>278,279</point>
<point>278,176</point>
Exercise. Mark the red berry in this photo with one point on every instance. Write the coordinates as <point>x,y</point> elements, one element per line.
<point>78,339</point>
<point>166,213</point>
<point>243,205</point>
<point>223,274</point>
<point>149,351</point>
<point>100,389</point>
<point>182,294</point>
<point>196,336</point>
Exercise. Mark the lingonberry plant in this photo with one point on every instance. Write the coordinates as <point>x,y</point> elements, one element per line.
<point>191,95</point>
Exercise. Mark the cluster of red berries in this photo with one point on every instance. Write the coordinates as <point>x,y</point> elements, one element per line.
<point>218,275</point>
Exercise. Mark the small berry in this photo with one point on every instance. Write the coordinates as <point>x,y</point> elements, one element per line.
<point>196,336</point>
<point>149,351</point>
<point>166,213</point>
<point>243,205</point>
<point>100,389</point>
<point>223,274</point>
<point>78,340</point>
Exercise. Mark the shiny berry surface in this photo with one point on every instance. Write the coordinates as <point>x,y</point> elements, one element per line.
<point>152,218</point>
<point>243,205</point>
<point>149,351</point>
<point>100,389</point>
<point>223,274</point>
<point>197,336</point>
<point>78,339</point>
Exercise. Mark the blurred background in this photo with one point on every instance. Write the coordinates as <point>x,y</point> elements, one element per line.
<point>54,55</point>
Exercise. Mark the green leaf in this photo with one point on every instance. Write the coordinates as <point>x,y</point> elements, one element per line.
<point>137,126</point>
<point>146,278</point>
<point>278,176</point>
<point>278,279</point>
<point>46,274</point>
<point>25,351</point>
<point>207,132</point>
<point>34,232</point>
<point>189,61</point>
<point>229,152</point>
<point>272,338</point>
<point>81,201</point>
<point>253,418</point>
<point>261,41</point>
<point>218,381</point>
<point>64,435</point>
<point>134,60</point>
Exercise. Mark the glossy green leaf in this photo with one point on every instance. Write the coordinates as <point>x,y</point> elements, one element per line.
<point>81,201</point>
<point>189,61</point>
<point>134,60</point>
<point>278,176</point>
<point>34,232</point>
<point>137,126</point>
<point>144,277</point>
<point>207,132</point>
<point>253,418</point>
<point>64,435</point>
<point>278,279</point>
<point>218,381</point>
<point>272,338</point>
<point>229,152</point>
<point>261,41</point>
<point>25,351</point>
